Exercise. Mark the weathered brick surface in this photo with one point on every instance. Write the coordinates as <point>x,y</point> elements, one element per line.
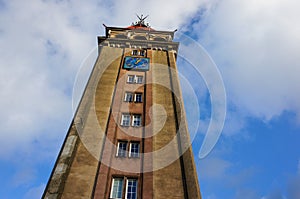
<point>188,160</point>
<point>168,180</point>
<point>78,172</point>
<point>81,180</point>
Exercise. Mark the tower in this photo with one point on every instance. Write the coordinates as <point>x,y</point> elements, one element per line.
<point>129,136</point>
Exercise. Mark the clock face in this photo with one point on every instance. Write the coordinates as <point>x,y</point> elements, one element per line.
<point>138,63</point>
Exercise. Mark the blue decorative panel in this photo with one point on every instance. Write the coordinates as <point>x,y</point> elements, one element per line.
<point>137,63</point>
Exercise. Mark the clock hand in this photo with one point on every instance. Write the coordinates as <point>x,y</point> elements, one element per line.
<point>137,61</point>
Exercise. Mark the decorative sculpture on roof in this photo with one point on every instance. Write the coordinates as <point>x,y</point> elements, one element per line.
<point>141,21</point>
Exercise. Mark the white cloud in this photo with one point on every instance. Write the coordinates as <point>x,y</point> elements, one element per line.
<point>256,46</point>
<point>30,98</point>
<point>163,15</point>
<point>215,169</point>
<point>43,42</point>
<point>42,45</point>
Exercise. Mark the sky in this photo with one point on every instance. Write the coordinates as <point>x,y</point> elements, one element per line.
<point>255,45</point>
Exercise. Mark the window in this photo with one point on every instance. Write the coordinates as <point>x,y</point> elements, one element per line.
<point>131,189</point>
<point>134,150</point>
<point>118,185</point>
<point>137,79</point>
<point>138,97</point>
<point>125,120</point>
<point>130,79</point>
<point>134,52</point>
<point>136,120</point>
<point>138,53</point>
<point>142,53</point>
<point>128,97</point>
<point>116,188</point>
<point>122,148</point>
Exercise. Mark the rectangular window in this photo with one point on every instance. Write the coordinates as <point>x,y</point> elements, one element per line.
<point>130,79</point>
<point>142,53</point>
<point>138,53</point>
<point>128,97</point>
<point>122,148</point>
<point>116,188</point>
<point>138,97</point>
<point>134,52</point>
<point>136,120</point>
<point>131,189</point>
<point>139,79</point>
<point>125,120</point>
<point>134,150</point>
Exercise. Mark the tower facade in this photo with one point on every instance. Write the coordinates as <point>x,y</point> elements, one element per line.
<point>129,136</point>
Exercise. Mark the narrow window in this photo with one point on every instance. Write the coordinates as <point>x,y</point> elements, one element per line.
<point>138,97</point>
<point>125,120</point>
<point>131,188</point>
<point>136,120</point>
<point>130,79</point>
<point>116,188</point>
<point>128,97</point>
<point>134,150</point>
<point>134,52</point>
<point>139,79</point>
<point>121,150</point>
<point>142,53</point>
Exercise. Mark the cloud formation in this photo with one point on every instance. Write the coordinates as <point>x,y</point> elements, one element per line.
<point>43,43</point>
<point>256,46</point>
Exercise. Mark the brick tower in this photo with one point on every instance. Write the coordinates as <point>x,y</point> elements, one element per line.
<point>129,136</point>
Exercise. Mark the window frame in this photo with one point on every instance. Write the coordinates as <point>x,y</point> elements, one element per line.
<point>123,189</point>
<point>137,77</point>
<point>131,79</point>
<point>123,119</point>
<point>136,187</point>
<point>134,120</point>
<point>135,52</point>
<point>121,153</point>
<point>112,188</point>
<point>142,53</point>
<point>127,98</point>
<point>137,155</point>
<point>135,97</point>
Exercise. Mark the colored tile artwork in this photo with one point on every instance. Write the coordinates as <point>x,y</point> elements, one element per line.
<point>138,63</point>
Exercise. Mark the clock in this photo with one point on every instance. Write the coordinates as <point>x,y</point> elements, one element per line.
<point>137,63</point>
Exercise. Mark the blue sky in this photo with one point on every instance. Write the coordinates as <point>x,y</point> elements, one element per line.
<point>255,45</point>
